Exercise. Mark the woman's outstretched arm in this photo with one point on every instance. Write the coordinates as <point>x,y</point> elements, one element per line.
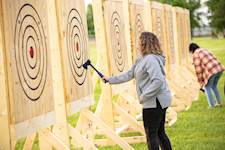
<point>124,77</point>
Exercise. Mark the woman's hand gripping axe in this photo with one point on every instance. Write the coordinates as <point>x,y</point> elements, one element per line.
<point>88,63</point>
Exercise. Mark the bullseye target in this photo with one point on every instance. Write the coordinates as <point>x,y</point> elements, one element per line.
<point>138,24</point>
<point>30,52</point>
<point>116,41</point>
<point>76,46</point>
<point>139,28</point>
<point>159,24</point>
<point>171,38</point>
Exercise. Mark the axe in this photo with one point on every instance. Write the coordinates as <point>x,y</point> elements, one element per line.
<point>88,63</point>
<point>202,90</point>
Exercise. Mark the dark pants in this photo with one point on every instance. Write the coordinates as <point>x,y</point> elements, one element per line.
<point>154,121</point>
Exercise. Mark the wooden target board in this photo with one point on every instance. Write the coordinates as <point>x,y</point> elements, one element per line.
<point>75,53</point>
<point>158,25</point>
<point>137,24</point>
<point>170,43</point>
<point>182,48</point>
<point>115,29</point>
<point>188,33</point>
<point>28,65</point>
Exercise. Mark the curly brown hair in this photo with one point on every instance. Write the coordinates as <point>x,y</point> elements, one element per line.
<point>149,44</point>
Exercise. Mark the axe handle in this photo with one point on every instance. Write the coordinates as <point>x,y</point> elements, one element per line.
<point>99,73</point>
<point>202,90</point>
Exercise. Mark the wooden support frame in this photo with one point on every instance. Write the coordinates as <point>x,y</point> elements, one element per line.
<point>48,136</point>
<point>61,128</point>
<point>107,130</point>
<point>83,141</point>
<point>129,119</point>
<point>29,142</point>
<point>5,141</point>
<point>105,104</point>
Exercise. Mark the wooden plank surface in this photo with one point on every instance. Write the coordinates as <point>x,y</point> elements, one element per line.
<point>84,142</point>
<point>170,44</point>
<point>4,100</point>
<point>60,128</point>
<point>74,49</point>
<point>116,40</point>
<point>28,59</point>
<point>138,24</point>
<point>104,107</point>
<point>115,27</point>
<point>158,27</point>
<point>182,55</point>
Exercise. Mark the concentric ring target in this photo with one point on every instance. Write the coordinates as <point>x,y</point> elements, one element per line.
<point>139,28</point>
<point>171,34</point>
<point>30,52</point>
<point>116,41</point>
<point>76,46</point>
<point>159,24</point>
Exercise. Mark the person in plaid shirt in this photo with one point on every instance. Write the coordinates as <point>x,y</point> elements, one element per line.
<point>208,70</point>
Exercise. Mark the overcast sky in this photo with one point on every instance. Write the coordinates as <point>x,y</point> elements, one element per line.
<point>87,2</point>
<point>204,9</point>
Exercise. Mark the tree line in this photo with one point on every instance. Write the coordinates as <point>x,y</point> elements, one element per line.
<point>216,14</point>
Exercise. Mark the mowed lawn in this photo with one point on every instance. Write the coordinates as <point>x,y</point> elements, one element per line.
<point>198,128</point>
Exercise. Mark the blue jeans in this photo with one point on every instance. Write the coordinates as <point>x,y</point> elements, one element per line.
<point>212,85</point>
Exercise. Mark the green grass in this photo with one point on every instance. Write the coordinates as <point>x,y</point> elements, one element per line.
<point>201,128</point>
<point>92,52</point>
<point>198,128</point>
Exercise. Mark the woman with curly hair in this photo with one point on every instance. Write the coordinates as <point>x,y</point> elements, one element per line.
<point>152,89</point>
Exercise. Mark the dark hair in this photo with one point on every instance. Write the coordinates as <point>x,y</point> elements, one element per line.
<point>193,47</point>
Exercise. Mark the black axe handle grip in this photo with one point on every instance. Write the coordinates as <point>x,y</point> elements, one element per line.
<point>202,90</point>
<point>99,73</point>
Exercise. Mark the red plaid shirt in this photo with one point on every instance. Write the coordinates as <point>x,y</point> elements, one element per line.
<point>206,65</point>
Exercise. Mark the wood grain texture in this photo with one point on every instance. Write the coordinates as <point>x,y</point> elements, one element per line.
<point>138,24</point>
<point>74,49</point>
<point>28,59</point>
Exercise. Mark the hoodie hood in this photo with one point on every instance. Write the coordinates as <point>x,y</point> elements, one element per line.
<point>162,59</point>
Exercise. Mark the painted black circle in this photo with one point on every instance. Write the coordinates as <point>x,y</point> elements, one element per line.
<point>29,32</point>
<point>76,46</point>
<point>117,46</point>
<point>139,28</point>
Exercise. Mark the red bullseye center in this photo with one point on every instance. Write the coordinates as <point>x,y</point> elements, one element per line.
<point>31,51</point>
<point>77,47</point>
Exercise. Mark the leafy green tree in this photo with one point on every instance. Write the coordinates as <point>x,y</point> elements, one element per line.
<point>217,14</point>
<point>90,21</point>
<point>192,5</point>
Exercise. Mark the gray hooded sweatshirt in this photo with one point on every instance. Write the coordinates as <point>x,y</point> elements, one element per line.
<point>150,81</point>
